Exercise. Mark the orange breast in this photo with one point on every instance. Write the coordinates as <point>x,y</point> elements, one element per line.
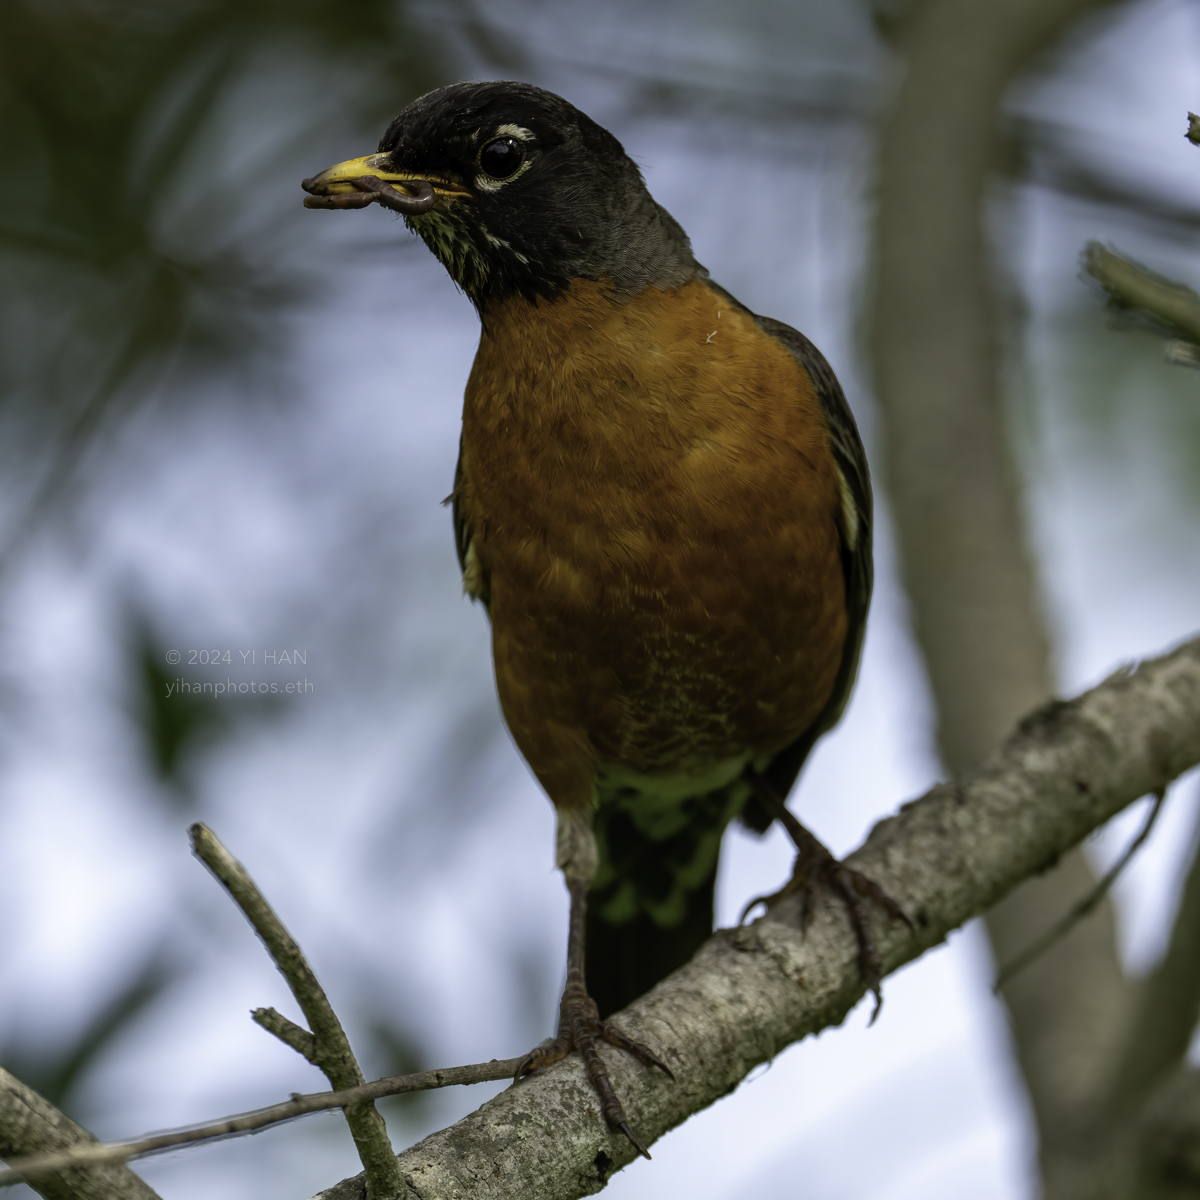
<point>650,489</point>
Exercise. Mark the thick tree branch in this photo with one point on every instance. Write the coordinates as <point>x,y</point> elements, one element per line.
<point>30,1124</point>
<point>751,992</point>
<point>953,486</point>
<point>330,1049</point>
<point>947,856</point>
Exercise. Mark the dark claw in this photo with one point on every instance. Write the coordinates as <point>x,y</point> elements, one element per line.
<point>799,882</point>
<point>637,1145</point>
<point>580,1027</point>
<point>548,1052</point>
<point>870,965</point>
<point>578,1030</point>
<point>614,1037</point>
<point>768,901</point>
<point>870,890</point>
<point>815,866</point>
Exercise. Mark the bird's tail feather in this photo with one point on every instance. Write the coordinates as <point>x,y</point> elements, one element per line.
<point>625,961</point>
<point>651,903</point>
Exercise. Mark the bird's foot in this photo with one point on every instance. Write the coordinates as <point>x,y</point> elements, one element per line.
<point>579,1029</point>
<point>815,870</point>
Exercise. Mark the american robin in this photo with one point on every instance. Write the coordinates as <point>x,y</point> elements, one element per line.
<point>663,503</point>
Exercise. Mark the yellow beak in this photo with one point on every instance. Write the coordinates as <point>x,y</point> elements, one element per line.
<point>338,180</point>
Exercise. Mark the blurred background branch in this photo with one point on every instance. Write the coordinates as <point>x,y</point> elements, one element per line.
<point>1169,306</point>
<point>130,249</point>
<point>953,484</point>
<point>952,479</point>
<point>225,424</point>
<point>944,857</point>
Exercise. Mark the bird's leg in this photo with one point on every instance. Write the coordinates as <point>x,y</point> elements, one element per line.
<point>815,868</point>
<point>579,1025</point>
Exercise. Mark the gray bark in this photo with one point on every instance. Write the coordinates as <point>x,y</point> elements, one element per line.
<point>751,992</point>
<point>30,1124</point>
<point>327,1045</point>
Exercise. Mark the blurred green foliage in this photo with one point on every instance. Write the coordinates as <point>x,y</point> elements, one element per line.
<point>152,155</point>
<point>396,1051</point>
<point>55,1071</point>
<point>179,725</point>
<point>1126,399</point>
<point>131,237</point>
<point>136,247</point>
<point>174,724</point>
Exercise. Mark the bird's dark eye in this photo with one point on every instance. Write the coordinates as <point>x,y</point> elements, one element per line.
<point>501,158</point>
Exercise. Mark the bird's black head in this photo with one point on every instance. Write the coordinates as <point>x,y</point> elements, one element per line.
<point>516,192</point>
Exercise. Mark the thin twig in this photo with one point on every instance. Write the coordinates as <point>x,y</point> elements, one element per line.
<point>1081,909</point>
<point>750,992</point>
<point>288,1032</point>
<point>331,1048</point>
<point>261,1118</point>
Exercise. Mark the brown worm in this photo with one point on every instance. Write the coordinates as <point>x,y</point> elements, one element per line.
<point>372,188</point>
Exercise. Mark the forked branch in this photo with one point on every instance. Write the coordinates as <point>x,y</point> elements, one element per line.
<point>330,1048</point>
<point>751,992</point>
